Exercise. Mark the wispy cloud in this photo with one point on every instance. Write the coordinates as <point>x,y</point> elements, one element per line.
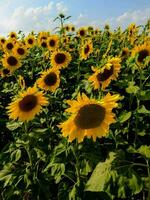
<point>41,17</point>
<point>136,16</point>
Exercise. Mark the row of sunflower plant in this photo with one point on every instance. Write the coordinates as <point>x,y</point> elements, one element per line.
<point>74,114</point>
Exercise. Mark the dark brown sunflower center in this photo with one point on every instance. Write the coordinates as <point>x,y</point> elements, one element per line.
<point>12,60</point>
<point>44,44</point>
<point>50,79</point>
<point>13,36</point>
<point>3,41</point>
<point>43,38</point>
<point>6,71</point>
<point>30,41</point>
<point>82,32</point>
<point>60,58</point>
<point>20,51</point>
<point>52,43</point>
<point>105,75</point>
<point>10,46</point>
<point>28,103</point>
<point>124,52</point>
<point>67,28</point>
<point>86,49</point>
<point>73,28</point>
<point>90,116</point>
<point>71,46</point>
<point>142,55</point>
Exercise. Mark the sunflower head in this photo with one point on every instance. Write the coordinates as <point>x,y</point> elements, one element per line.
<point>43,43</point>
<point>11,62</point>
<point>43,36</point>
<point>60,59</point>
<point>13,35</point>
<point>96,31</point>
<point>89,117</point>
<point>27,105</point>
<point>90,28</point>
<point>21,82</point>
<point>141,52</point>
<point>67,28</point>
<point>9,45</point>
<point>2,41</point>
<point>103,76</point>
<point>5,72</point>
<point>30,41</point>
<point>49,80</point>
<point>20,50</point>
<point>82,32</point>
<point>86,50</point>
<point>125,52</point>
<point>53,42</point>
<point>73,28</point>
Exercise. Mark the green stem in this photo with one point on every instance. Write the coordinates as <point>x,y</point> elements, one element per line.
<point>76,164</point>
<point>148,171</point>
<point>27,148</point>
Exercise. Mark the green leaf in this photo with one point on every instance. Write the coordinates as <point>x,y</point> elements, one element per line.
<point>13,125</point>
<point>145,95</point>
<point>100,176</point>
<point>144,150</point>
<point>18,154</point>
<point>132,89</point>
<point>124,116</point>
<point>143,110</point>
<point>57,170</point>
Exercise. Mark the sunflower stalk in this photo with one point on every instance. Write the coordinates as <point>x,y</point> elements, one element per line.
<point>74,150</point>
<point>27,147</point>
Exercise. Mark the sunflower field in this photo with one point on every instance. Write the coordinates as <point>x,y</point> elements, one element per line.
<point>74,113</point>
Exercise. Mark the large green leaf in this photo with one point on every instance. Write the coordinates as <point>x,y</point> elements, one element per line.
<point>100,176</point>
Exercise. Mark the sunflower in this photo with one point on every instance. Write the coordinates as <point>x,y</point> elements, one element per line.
<point>90,28</point>
<point>96,31</point>
<point>90,118</point>
<point>67,28</point>
<point>20,50</point>
<point>13,35</point>
<point>30,41</point>
<point>60,59</point>
<point>142,52</point>
<point>27,105</point>
<point>43,36</point>
<point>73,28</point>
<point>64,40</point>
<point>52,42</point>
<point>103,76</point>
<point>49,80</point>
<point>2,41</point>
<point>9,45</point>
<point>11,62</point>
<point>4,72</point>
<point>86,50</point>
<point>21,82</point>
<point>125,52</point>
<point>43,43</point>
<point>82,32</point>
<point>132,33</point>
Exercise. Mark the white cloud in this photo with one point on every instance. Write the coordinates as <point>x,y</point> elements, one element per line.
<point>41,18</point>
<point>82,20</point>
<point>61,8</point>
<point>28,19</point>
<point>137,16</point>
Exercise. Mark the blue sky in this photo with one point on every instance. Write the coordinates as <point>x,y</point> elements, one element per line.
<point>39,14</point>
